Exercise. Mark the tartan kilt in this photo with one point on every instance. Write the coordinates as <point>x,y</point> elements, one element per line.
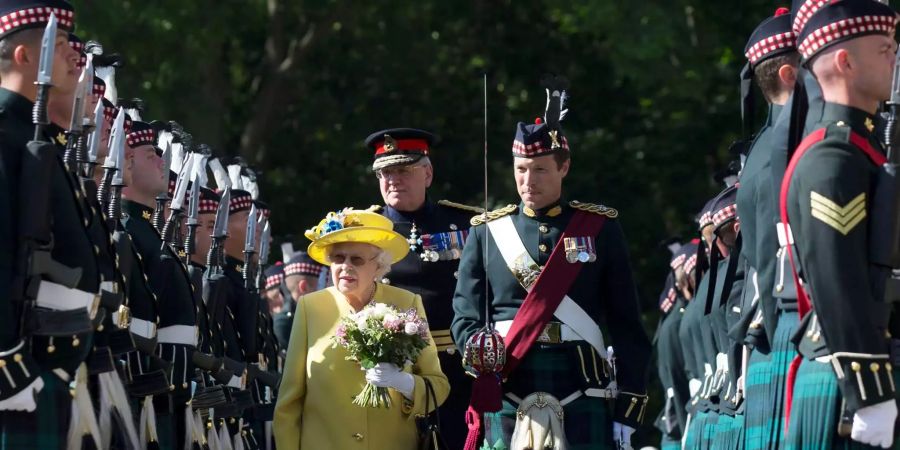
<point>667,443</point>
<point>45,428</point>
<point>550,368</point>
<point>729,433</point>
<point>695,430</point>
<point>708,433</point>
<point>815,410</point>
<point>758,408</point>
<point>783,352</point>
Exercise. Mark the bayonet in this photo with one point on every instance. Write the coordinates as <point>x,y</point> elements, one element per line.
<point>250,249</point>
<point>176,211</point>
<point>163,198</point>
<point>893,107</point>
<point>116,141</point>
<point>44,78</point>
<point>263,248</point>
<point>216,255</point>
<point>117,181</point>
<point>76,124</point>
<point>93,142</point>
<point>192,219</point>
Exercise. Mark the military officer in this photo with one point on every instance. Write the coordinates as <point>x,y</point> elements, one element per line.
<point>844,379</point>
<point>35,403</point>
<point>772,62</point>
<point>436,231</point>
<point>523,252</point>
<point>177,333</point>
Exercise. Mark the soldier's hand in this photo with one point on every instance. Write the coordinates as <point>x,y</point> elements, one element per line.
<point>874,425</point>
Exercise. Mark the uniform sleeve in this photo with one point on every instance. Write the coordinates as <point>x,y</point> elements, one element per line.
<point>468,300</point>
<point>832,201</point>
<point>426,367</point>
<point>623,319</point>
<point>288,416</point>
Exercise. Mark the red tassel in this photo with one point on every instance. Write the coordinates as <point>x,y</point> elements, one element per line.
<point>487,395</point>
<point>538,121</point>
<point>473,421</point>
<point>789,390</point>
<point>781,11</point>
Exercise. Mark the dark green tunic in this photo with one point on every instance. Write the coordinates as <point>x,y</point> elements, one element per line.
<point>604,289</point>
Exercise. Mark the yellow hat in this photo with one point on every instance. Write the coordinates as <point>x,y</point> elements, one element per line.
<point>354,225</point>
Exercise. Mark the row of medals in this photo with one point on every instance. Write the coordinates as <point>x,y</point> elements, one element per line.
<point>580,249</point>
<point>437,247</point>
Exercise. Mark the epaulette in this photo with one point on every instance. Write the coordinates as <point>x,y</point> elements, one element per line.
<point>594,208</point>
<point>375,208</point>
<point>493,215</point>
<point>466,208</point>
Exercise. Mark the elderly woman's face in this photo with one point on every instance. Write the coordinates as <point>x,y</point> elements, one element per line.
<point>353,267</point>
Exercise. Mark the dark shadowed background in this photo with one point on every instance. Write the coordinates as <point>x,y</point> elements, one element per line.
<point>295,86</point>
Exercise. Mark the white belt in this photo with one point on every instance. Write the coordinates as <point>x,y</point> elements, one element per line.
<point>236,382</point>
<point>143,328</point>
<point>178,334</point>
<point>784,239</point>
<point>109,286</point>
<point>566,333</point>
<point>60,298</point>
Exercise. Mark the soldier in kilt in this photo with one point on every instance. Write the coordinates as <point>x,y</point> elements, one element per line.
<point>40,362</point>
<point>843,391</point>
<point>559,362</point>
<point>772,67</point>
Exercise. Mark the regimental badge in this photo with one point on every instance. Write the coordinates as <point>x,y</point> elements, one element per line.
<point>61,138</point>
<point>526,270</point>
<point>869,125</point>
<point>389,143</point>
<point>146,215</point>
<point>580,249</point>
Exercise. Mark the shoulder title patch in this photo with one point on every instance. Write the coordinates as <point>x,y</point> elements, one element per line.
<point>594,208</point>
<point>493,215</point>
<point>841,218</point>
<point>468,208</point>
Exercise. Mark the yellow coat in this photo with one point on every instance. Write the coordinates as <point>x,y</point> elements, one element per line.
<point>315,409</point>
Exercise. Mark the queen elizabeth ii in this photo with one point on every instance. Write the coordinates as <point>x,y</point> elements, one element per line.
<point>314,408</point>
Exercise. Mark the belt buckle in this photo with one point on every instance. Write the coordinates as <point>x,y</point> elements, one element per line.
<point>122,317</point>
<point>552,333</point>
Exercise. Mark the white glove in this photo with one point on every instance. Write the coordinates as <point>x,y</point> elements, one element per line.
<point>24,400</point>
<point>389,375</point>
<point>874,425</point>
<point>694,386</point>
<point>622,436</point>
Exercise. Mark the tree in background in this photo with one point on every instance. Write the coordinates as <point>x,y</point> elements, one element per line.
<point>295,86</point>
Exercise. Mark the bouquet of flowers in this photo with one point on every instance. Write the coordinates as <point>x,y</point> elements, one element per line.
<point>380,333</point>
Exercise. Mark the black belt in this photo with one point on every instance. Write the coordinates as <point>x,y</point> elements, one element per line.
<point>787,304</point>
<point>100,361</point>
<point>209,397</point>
<point>150,383</point>
<point>48,322</point>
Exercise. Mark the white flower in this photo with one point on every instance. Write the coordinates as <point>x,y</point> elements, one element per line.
<point>381,309</point>
<point>361,323</point>
<point>411,328</point>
